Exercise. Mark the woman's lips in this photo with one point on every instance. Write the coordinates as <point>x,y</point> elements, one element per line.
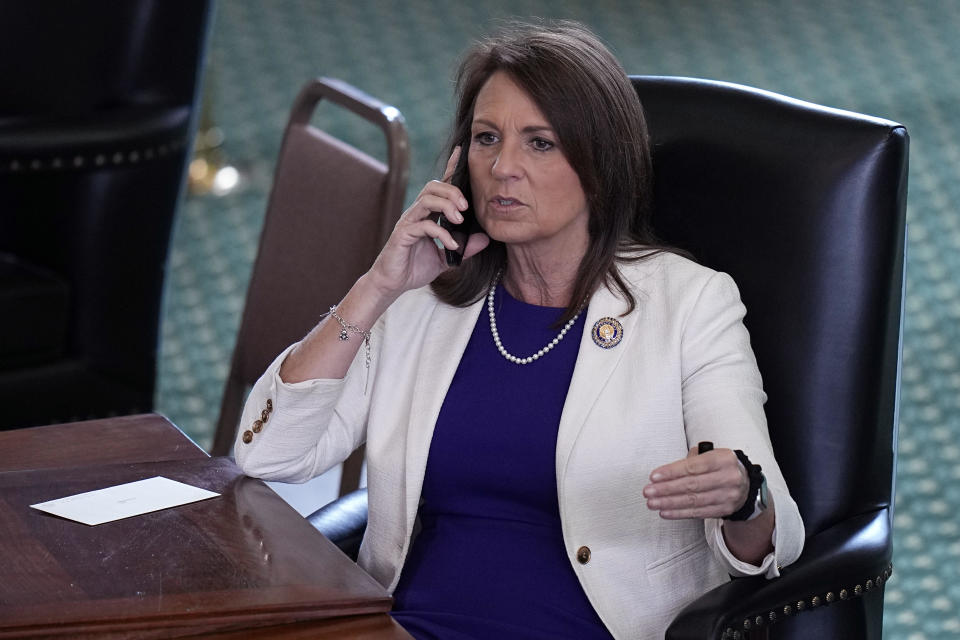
<point>502,203</point>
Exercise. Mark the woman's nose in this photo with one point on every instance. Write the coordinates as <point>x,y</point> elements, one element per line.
<point>508,163</point>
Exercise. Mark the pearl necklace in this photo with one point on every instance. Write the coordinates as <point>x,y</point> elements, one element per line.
<point>496,335</point>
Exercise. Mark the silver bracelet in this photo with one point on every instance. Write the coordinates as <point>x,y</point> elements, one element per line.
<point>346,328</point>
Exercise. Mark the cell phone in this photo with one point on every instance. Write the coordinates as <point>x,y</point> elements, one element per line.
<point>460,232</point>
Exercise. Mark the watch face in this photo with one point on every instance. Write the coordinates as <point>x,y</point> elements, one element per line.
<point>762,494</point>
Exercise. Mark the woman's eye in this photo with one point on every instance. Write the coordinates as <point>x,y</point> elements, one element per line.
<point>540,144</point>
<point>485,138</point>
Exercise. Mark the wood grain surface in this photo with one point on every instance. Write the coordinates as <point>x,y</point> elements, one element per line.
<point>244,564</point>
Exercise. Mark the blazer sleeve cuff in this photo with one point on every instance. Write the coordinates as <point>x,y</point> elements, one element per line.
<point>768,567</point>
<point>282,446</point>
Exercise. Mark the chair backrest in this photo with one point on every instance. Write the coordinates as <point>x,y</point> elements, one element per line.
<point>96,128</point>
<point>331,209</point>
<point>804,206</point>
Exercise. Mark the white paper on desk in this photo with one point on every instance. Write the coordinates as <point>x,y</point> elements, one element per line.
<point>124,500</point>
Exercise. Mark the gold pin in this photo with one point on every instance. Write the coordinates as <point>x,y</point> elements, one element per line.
<point>607,333</point>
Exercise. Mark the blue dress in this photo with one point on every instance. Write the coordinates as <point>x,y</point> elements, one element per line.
<point>488,560</point>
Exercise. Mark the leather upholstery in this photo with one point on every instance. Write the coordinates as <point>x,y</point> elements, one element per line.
<point>94,138</point>
<point>804,206</point>
<point>33,324</point>
<point>343,521</point>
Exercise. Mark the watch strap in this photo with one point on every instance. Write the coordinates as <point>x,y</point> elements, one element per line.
<point>755,475</point>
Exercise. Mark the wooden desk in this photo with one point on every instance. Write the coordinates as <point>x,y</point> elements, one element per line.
<point>231,567</point>
<point>143,438</point>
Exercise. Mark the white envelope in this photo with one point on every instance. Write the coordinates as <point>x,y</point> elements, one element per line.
<point>124,500</point>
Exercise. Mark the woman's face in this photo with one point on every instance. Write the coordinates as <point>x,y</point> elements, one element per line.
<point>525,193</point>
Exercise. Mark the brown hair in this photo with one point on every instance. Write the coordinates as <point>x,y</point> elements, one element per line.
<point>589,101</point>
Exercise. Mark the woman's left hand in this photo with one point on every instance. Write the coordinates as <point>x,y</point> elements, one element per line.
<point>709,485</point>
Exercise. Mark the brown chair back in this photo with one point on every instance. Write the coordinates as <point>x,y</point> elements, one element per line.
<point>331,209</point>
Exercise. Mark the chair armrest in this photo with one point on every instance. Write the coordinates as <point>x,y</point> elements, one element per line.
<point>343,521</point>
<point>840,563</point>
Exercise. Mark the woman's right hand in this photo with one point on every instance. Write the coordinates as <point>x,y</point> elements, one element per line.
<point>411,258</point>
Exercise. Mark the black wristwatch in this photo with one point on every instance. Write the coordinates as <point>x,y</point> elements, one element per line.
<point>756,502</point>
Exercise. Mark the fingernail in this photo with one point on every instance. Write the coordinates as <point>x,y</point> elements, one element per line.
<point>653,504</point>
<point>656,476</point>
<point>463,203</point>
<point>649,491</point>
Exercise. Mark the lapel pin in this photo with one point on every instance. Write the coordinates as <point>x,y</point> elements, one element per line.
<point>607,333</point>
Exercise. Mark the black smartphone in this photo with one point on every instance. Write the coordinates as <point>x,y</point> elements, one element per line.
<point>460,232</point>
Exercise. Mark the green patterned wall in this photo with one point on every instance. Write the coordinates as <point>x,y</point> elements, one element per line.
<point>892,59</point>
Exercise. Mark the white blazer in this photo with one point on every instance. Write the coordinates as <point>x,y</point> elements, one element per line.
<point>683,372</point>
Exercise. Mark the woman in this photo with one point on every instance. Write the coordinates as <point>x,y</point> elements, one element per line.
<point>531,417</point>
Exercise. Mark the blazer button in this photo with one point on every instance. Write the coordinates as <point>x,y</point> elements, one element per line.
<point>583,555</point>
<point>247,437</point>
<point>257,426</point>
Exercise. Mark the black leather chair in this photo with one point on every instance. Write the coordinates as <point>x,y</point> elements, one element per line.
<point>804,206</point>
<point>96,110</point>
